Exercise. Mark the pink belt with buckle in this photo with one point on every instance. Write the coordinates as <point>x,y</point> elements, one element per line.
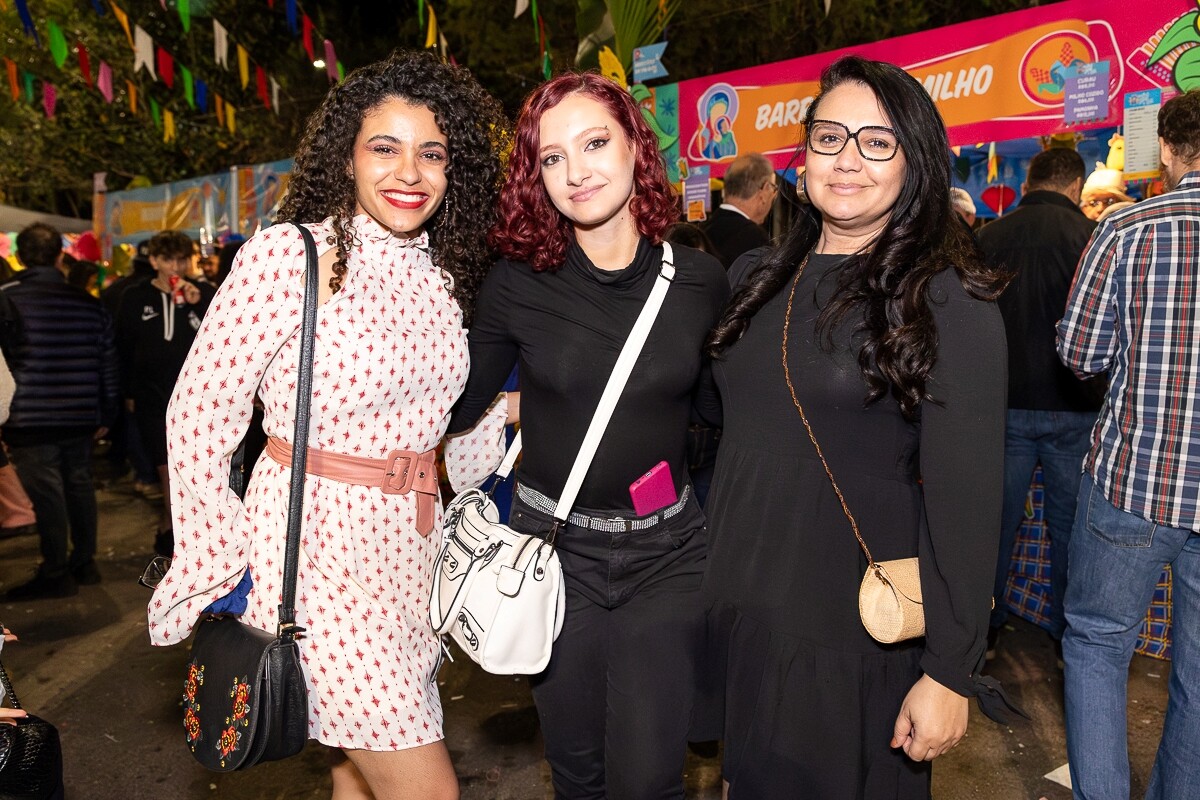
<point>402,471</point>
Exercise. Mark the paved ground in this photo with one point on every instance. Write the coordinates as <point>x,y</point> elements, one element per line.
<point>86,665</point>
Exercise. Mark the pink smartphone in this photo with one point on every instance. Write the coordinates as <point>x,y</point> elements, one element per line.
<point>654,490</point>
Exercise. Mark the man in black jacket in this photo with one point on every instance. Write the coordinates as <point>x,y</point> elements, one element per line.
<point>1050,411</point>
<point>59,345</point>
<point>736,227</point>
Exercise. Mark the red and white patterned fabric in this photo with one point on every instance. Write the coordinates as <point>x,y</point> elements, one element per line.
<point>391,359</point>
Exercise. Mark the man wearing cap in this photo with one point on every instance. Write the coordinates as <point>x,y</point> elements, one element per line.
<point>1133,314</point>
<point>1050,411</point>
<point>1103,188</point>
<point>964,205</point>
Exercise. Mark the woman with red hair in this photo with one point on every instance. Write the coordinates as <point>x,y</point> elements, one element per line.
<point>581,222</point>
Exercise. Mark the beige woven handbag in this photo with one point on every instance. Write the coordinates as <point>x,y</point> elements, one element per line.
<point>889,598</point>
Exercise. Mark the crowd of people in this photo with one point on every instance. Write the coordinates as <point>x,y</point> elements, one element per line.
<point>878,384</point>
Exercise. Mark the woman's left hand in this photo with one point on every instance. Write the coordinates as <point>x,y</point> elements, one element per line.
<point>932,720</point>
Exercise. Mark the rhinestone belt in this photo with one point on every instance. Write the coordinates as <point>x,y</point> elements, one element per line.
<point>536,500</point>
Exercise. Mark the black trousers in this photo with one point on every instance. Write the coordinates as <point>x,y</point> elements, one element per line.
<point>616,698</point>
<point>57,476</point>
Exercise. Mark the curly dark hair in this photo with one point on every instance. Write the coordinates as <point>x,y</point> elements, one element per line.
<point>472,121</point>
<point>530,228</point>
<point>887,283</point>
<point>1179,125</point>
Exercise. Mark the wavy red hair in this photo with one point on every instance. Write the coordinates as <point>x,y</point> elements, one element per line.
<point>528,226</point>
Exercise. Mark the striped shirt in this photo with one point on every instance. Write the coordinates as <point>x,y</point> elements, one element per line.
<point>1134,311</point>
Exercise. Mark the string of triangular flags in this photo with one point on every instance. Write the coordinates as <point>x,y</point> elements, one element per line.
<point>539,27</point>
<point>433,33</point>
<point>161,65</point>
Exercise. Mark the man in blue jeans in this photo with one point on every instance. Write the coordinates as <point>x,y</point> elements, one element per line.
<point>1050,411</point>
<point>1134,312</point>
<point>58,341</point>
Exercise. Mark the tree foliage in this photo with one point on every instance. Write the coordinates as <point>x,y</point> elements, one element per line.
<point>48,163</point>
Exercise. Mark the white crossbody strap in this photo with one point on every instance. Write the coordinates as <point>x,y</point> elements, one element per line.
<point>612,391</point>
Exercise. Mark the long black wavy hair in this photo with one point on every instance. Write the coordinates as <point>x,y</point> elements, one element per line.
<point>887,282</point>
<point>472,121</point>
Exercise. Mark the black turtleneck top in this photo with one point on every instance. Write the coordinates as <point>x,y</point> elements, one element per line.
<point>565,330</point>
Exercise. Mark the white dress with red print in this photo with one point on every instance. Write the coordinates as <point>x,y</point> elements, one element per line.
<point>391,359</point>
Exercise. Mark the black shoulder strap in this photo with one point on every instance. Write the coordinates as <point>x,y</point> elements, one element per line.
<point>312,278</point>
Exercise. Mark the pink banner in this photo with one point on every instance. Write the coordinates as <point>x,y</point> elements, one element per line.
<point>993,79</point>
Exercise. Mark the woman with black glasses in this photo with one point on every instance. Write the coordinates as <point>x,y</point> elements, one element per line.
<point>874,316</point>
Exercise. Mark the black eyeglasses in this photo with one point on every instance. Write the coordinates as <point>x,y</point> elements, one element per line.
<point>875,142</point>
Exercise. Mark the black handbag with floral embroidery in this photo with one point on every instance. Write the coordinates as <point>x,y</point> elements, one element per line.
<point>244,699</point>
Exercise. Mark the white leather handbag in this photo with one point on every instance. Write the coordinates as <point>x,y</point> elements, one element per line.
<point>498,593</point>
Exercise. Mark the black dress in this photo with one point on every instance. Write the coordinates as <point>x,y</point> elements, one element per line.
<point>811,698</point>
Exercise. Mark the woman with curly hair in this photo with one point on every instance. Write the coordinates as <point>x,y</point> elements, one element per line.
<point>875,317</point>
<point>583,214</point>
<point>396,176</point>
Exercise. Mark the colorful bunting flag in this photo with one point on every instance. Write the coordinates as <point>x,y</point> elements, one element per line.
<point>168,126</point>
<point>219,102</point>
<point>27,21</point>
<point>243,65</point>
<point>993,163</point>
<point>260,80</point>
<point>306,36</point>
<point>421,12</point>
<point>13,88</point>
<point>185,76</point>
<point>166,68</point>
<point>185,14</point>
<point>85,66</point>
<point>143,51</point>
<point>131,90</point>
<point>154,113</point>
<point>57,44</point>
<point>275,95</point>
<point>49,98</point>
<point>291,18</point>
<point>431,35</point>
<point>230,119</point>
<point>220,44</point>
<point>202,96</point>
<point>27,79</point>
<point>330,61</point>
<point>341,72</point>
<point>104,82</point>
<point>123,18</point>
<point>522,7</point>
<point>99,9</point>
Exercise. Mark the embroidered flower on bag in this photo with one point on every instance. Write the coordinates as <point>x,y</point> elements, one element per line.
<point>195,679</point>
<point>228,741</point>
<point>191,708</point>
<point>191,724</point>
<point>241,701</point>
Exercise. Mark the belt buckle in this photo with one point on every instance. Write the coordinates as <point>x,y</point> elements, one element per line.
<point>394,469</point>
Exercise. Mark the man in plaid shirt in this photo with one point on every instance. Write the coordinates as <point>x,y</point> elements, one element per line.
<point>1134,312</point>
